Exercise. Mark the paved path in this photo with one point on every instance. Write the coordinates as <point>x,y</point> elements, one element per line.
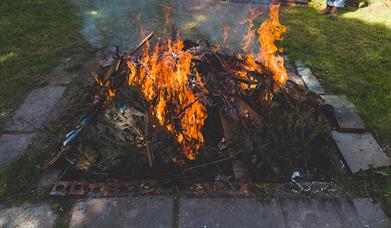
<point>160,211</point>
<point>40,107</point>
<point>166,211</point>
<point>27,216</point>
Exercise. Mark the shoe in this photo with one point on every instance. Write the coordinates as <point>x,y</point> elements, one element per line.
<point>326,11</point>
<point>333,12</point>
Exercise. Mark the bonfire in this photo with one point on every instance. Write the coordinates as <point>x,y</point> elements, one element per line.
<point>189,104</point>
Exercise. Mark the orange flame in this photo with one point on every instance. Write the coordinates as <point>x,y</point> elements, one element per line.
<point>227,28</point>
<point>164,78</point>
<point>248,39</point>
<point>169,83</point>
<point>270,31</point>
<point>105,90</point>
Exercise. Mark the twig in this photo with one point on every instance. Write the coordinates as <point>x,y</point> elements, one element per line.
<point>142,43</point>
<point>208,163</point>
<point>36,128</point>
<point>148,72</point>
<point>149,153</point>
<point>58,156</point>
<point>136,130</point>
<point>226,179</point>
<point>242,80</point>
<point>188,106</point>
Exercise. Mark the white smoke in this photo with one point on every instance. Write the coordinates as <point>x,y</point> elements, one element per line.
<point>112,22</point>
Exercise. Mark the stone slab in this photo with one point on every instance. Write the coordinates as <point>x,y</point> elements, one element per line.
<point>27,216</point>
<point>371,214</point>
<point>345,113</point>
<point>314,213</point>
<point>11,146</point>
<point>360,150</point>
<point>48,179</point>
<point>309,79</point>
<point>36,109</point>
<point>148,211</point>
<point>229,212</point>
<point>291,71</point>
<point>60,76</point>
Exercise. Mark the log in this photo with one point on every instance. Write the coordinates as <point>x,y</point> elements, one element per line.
<point>248,112</point>
<point>231,129</point>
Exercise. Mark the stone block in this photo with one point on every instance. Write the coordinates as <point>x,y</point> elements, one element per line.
<point>11,146</point>
<point>27,216</point>
<point>309,79</point>
<point>230,212</point>
<point>345,114</point>
<point>148,211</point>
<point>37,108</point>
<point>360,150</point>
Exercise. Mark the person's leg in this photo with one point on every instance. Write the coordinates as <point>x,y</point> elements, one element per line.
<point>339,3</point>
<point>328,8</point>
<point>336,4</point>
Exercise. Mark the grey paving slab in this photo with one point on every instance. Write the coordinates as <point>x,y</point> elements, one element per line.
<point>148,211</point>
<point>360,150</point>
<point>338,101</point>
<point>345,113</point>
<point>60,76</point>
<point>40,216</point>
<point>316,213</point>
<point>229,212</point>
<point>11,146</point>
<point>48,179</point>
<point>370,213</point>
<point>309,79</point>
<point>291,71</point>
<point>36,109</point>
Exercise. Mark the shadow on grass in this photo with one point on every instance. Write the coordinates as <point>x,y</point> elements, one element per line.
<point>351,57</point>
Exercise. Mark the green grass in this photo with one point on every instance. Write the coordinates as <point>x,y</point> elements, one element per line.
<point>351,56</point>
<point>19,181</point>
<point>35,36</point>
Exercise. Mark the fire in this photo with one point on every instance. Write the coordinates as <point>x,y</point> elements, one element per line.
<point>248,39</point>
<point>105,90</point>
<point>270,31</point>
<point>165,76</point>
<point>227,28</point>
<point>175,91</point>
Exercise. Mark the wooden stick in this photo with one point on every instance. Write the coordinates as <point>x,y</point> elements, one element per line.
<point>142,43</point>
<point>58,156</point>
<point>149,153</point>
<point>208,163</point>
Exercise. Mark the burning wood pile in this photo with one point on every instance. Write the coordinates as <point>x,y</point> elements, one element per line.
<point>187,104</point>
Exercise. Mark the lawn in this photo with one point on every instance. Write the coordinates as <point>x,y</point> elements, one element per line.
<point>35,36</point>
<point>351,56</point>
